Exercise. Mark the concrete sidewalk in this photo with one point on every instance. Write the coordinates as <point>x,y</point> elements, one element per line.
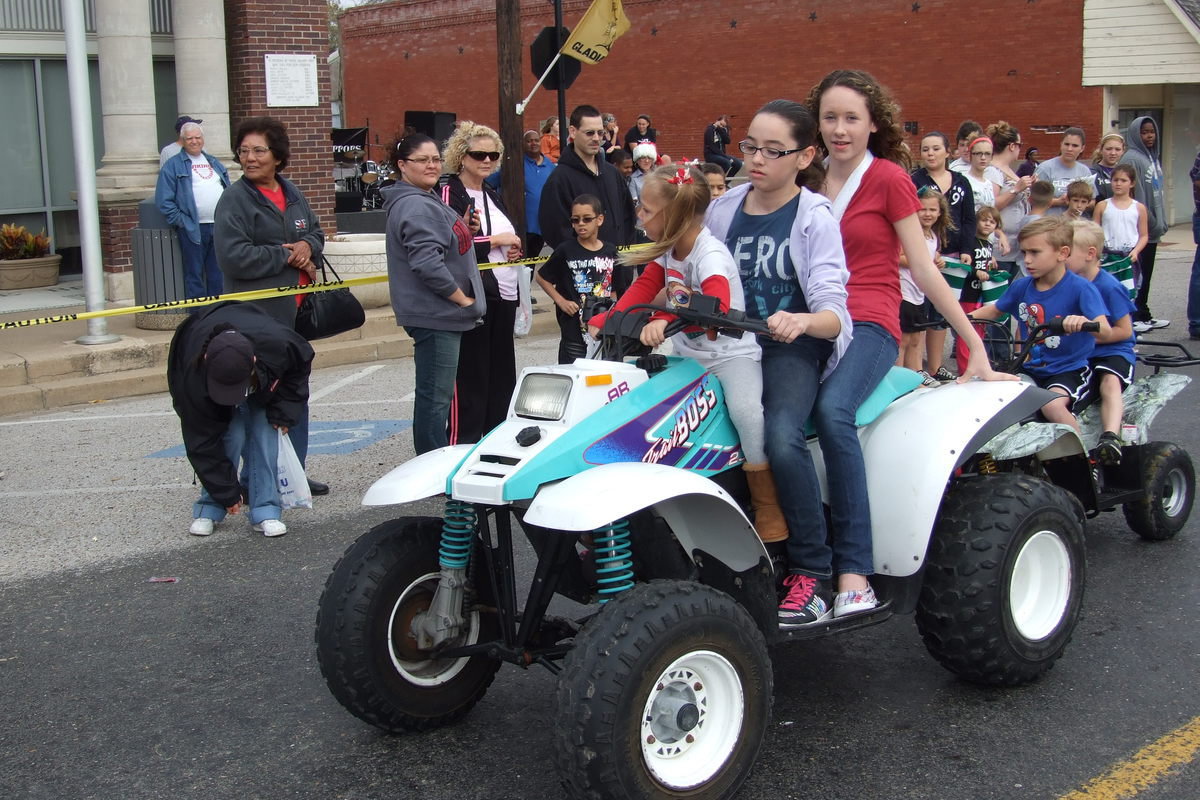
<point>43,367</point>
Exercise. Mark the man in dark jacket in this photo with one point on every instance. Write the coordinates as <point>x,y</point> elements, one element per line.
<point>235,376</point>
<point>716,137</point>
<point>581,171</point>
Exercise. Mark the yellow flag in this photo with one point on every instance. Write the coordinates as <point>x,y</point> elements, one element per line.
<point>593,37</point>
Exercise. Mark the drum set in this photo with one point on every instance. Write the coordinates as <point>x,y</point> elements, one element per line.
<point>366,178</point>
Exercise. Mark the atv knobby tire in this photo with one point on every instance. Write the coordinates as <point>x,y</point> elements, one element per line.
<point>1170,482</point>
<point>667,693</point>
<point>370,662</point>
<point>1004,579</point>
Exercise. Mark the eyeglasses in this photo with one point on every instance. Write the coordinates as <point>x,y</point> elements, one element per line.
<point>582,220</point>
<point>591,134</point>
<point>981,152</point>
<point>424,161</point>
<point>767,152</point>
<point>258,151</point>
<point>484,155</point>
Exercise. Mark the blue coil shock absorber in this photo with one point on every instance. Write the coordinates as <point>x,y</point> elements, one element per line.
<point>458,530</point>
<point>614,569</point>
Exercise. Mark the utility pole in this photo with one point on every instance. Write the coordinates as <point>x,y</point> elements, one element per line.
<point>512,129</point>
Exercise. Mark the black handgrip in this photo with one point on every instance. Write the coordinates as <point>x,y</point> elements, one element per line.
<point>1055,327</point>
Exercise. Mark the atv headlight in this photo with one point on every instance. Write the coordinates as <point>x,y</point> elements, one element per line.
<point>543,396</point>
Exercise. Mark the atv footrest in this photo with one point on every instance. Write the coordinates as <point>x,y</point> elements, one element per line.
<point>831,626</point>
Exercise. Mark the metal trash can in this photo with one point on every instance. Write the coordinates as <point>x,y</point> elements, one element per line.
<point>157,269</point>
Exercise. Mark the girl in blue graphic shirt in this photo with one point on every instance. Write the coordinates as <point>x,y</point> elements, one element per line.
<point>788,251</point>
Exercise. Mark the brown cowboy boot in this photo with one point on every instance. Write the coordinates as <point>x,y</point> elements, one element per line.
<point>764,501</point>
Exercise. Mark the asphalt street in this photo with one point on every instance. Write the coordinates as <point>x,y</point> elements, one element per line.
<point>115,686</point>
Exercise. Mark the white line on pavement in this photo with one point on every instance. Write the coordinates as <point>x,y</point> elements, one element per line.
<point>346,381</point>
<point>97,490</point>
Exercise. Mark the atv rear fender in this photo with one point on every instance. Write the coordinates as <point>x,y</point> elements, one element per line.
<point>912,450</point>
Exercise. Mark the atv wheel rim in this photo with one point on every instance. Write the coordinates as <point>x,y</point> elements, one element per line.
<point>414,664</point>
<point>1039,588</point>
<point>1174,493</point>
<point>692,720</point>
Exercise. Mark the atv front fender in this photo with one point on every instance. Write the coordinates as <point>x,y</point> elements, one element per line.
<point>702,515</point>
<point>418,478</point>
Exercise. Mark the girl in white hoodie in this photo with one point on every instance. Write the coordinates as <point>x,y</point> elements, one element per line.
<point>687,258</point>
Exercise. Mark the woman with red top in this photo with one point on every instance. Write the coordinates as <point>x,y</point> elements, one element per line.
<point>266,234</point>
<point>876,205</point>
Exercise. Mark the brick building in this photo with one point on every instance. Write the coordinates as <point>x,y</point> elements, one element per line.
<point>684,62</point>
<point>150,61</point>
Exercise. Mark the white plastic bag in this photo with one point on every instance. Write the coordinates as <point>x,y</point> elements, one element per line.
<point>293,484</point>
<point>524,322</point>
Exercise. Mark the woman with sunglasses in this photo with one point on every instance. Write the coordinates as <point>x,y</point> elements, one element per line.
<point>487,362</point>
<point>435,285</point>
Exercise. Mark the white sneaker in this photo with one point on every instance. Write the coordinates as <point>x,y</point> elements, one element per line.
<point>271,527</point>
<point>201,526</point>
<point>854,601</point>
<point>1141,327</point>
<point>1155,324</point>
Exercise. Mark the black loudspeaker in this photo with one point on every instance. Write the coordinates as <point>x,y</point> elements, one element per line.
<point>345,202</point>
<point>438,125</point>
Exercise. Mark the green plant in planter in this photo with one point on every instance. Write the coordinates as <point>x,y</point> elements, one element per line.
<point>17,243</point>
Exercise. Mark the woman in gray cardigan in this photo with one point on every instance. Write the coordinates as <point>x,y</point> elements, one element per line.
<point>434,281</point>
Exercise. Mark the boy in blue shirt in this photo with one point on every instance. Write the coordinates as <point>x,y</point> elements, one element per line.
<point>1113,359</point>
<point>1060,363</point>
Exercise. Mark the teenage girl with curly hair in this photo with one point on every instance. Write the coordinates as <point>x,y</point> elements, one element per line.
<point>876,204</point>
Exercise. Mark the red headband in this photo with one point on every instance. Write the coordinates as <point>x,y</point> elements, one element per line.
<point>979,139</point>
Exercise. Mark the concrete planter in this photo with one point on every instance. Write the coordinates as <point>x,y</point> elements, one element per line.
<point>354,255</point>
<point>29,273</point>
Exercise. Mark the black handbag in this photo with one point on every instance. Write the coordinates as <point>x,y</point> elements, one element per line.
<point>330,312</point>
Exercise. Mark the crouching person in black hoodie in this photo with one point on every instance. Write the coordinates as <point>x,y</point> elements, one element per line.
<point>236,375</point>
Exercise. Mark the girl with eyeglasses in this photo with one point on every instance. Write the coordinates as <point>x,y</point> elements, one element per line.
<point>487,361</point>
<point>788,251</point>
<point>876,206</point>
<point>434,283</point>
<point>685,258</point>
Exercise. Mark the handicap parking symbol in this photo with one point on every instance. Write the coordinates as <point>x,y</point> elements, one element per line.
<point>331,438</point>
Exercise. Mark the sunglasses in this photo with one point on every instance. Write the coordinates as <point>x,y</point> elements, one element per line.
<point>582,220</point>
<point>484,155</point>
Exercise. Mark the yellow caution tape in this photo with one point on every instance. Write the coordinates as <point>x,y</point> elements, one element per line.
<point>256,294</point>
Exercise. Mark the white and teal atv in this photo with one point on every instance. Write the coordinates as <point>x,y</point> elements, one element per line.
<point>620,474</point>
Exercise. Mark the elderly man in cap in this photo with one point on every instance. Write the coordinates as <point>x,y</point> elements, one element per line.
<point>236,375</point>
<point>174,147</point>
<point>189,186</point>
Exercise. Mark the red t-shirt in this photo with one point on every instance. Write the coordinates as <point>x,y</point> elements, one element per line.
<point>280,202</point>
<point>885,196</point>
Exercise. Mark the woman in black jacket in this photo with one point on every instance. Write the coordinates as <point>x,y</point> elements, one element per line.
<point>487,363</point>
<point>640,132</point>
<point>266,235</point>
<point>935,151</point>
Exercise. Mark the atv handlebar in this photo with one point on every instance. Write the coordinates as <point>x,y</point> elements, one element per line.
<point>696,309</point>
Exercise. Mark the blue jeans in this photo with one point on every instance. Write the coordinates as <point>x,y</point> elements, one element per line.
<point>732,166</point>
<point>1193,306</point>
<point>251,438</point>
<point>201,275</point>
<point>435,356</point>
<point>864,364</point>
<point>791,376</point>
